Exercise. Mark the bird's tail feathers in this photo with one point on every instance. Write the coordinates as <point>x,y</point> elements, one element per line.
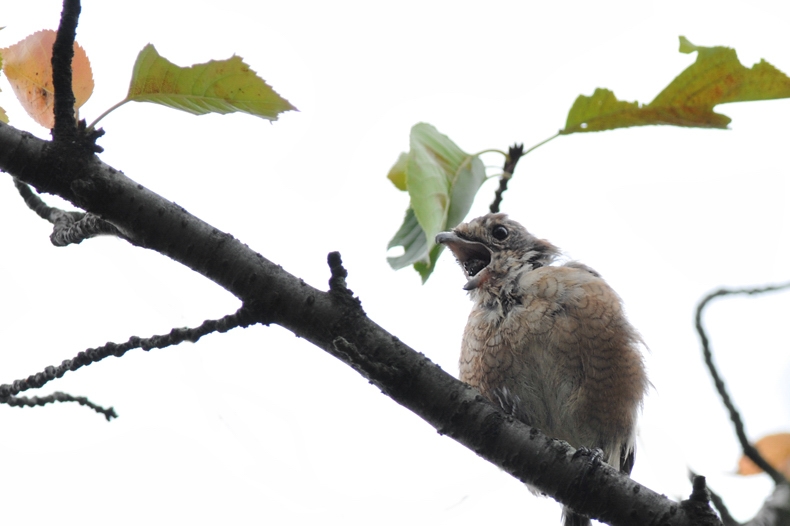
<point>570,518</point>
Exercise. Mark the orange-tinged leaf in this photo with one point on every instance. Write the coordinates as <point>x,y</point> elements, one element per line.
<point>3,116</point>
<point>716,77</point>
<point>28,66</point>
<point>775,449</point>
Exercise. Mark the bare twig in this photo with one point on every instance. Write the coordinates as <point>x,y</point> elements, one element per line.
<point>748,450</point>
<point>243,317</point>
<point>34,401</point>
<point>69,227</point>
<point>514,154</point>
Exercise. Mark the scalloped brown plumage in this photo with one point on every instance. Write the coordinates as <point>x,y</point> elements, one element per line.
<point>550,344</point>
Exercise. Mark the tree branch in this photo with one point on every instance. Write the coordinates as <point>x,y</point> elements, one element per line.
<point>748,449</point>
<point>513,155</point>
<point>23,401</point>
<point>243,317</point>
<point>340,327</point>
<point>69,227</point>
<point>62,54</point>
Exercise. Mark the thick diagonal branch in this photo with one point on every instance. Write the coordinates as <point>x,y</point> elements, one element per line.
<point>334,323</point>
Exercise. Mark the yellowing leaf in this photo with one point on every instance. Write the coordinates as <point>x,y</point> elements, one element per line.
<point>28,66</point>
<point>775,449</point>
<point>716,77</point>
<point>218,86</point>
<point>397,173</point>
<point>442,181</point>
<point>3,116</point>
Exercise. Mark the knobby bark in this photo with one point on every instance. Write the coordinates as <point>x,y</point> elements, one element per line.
<point>334,321</point>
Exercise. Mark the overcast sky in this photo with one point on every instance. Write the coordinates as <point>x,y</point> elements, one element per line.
<point>259,427</point>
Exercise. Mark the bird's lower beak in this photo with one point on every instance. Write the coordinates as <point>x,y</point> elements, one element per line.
<point>474,257</point>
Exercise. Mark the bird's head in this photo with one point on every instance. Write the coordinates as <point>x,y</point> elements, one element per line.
<point>492,247</point>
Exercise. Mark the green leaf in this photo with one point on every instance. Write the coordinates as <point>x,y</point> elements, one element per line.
<point>716,77</point>
<point>218,86</point>
<point>442,181</point>
<point>425,269</point>
<point>397,173</point>
<point>412,238</point>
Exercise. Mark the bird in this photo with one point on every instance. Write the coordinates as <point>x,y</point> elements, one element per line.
<point>549,342</point>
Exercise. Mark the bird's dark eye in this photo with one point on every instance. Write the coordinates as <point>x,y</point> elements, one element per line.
<point>499,232</point>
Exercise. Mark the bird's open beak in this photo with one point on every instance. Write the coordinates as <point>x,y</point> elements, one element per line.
<point>474,257</point>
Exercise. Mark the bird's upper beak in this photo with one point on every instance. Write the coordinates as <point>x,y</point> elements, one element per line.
<point>474,257</point>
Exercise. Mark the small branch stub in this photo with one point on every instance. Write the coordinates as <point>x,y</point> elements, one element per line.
<point>514,154</point>
<point>698,504</point>
<point>337,283</point>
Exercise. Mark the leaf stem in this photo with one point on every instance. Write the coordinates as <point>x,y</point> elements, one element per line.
<point>492,150</point>
<point>103,115</point>
<point>542,143</point>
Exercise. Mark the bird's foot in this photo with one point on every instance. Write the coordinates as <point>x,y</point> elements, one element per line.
<point>595,454</point>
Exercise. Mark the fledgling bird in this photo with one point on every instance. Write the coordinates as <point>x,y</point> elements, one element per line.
<point>550,344</point>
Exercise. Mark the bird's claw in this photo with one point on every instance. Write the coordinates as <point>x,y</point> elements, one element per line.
<point>595,454</point>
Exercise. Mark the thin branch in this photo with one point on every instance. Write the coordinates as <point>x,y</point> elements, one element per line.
<point>69,227</point>
<point>337,326</point>
<point>35,203</point>
<point>514,154</point>
<point>35,401</point>
<point>62,55</point>
<point>243,317</point>
<point>748,449</point>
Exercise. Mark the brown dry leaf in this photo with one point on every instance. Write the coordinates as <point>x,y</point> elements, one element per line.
<point>28,66</point>
<point>775,449</point>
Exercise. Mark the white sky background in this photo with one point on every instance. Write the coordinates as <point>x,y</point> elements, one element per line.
<point>259,427</point>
